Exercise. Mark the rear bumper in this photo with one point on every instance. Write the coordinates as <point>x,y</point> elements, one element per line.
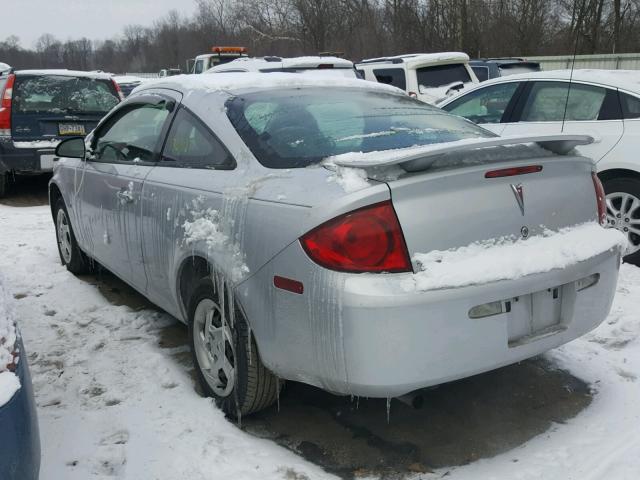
<point>364,335</point>
<point>23,160</point>
<point>19,436</point>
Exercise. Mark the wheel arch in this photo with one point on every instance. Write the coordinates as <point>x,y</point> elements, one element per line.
<point>618,173</point>
<point>54,195</point>
<point>193,268</point>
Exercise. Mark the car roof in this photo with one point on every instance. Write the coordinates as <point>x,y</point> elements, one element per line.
<point>622,79</point>
<point>255,81</point>
<point>501,61</point>
<point>71,73</point>
<point>278,62</point>
<point>417,58</point>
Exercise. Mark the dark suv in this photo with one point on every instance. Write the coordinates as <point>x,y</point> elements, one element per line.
<point>488,68</point>
<point>38,108</point>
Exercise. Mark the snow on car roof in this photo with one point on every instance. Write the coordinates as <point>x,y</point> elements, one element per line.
<point>313,61</point>
<point>71,73</point>
<point>421,57</point>
<point>128,79</point>
<point>254,80</point>
<point>277,62</point>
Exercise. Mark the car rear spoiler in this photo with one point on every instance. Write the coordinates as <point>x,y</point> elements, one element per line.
<point>420,158</point>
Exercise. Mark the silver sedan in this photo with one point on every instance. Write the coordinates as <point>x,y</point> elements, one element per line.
<point>344,235</point>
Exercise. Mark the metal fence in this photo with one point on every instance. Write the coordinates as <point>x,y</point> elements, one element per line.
<point>622,61</point>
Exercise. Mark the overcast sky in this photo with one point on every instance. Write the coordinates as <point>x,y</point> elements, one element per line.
<point>94,19</point>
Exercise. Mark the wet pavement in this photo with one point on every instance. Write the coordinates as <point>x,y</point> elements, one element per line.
<point>27,191</point>
<point>458,423</point>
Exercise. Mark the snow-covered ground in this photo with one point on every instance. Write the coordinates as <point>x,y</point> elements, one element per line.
<point>113,404</point>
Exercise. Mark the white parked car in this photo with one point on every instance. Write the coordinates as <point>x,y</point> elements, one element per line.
<point>329,66</point>
<point>604,104</point>
<point>429,77</point>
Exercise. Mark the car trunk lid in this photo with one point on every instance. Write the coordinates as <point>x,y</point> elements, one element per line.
<point>465,196</point>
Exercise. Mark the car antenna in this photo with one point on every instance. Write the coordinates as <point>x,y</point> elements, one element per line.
<point>573,63</point>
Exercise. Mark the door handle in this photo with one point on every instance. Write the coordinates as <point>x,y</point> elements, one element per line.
<point>125,196</point>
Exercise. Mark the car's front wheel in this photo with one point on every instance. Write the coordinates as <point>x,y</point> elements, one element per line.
<point>225,356</point>
<point>71,255</point>
<point>623,212</point>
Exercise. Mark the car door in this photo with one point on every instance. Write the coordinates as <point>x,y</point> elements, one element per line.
<point>122,152</point>
<point>488,106</point>
<point>186,188</point>
<point>589,109</point>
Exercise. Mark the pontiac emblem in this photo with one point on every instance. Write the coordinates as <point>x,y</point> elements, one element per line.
<point>519,194</point>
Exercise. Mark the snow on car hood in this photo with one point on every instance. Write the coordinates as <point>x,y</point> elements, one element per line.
<point>9,382</point>
<point>508,259</point>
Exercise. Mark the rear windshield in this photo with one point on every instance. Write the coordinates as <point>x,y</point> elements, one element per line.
<point>300,127</point>
<point>442,75</point>
<point>63,94</point>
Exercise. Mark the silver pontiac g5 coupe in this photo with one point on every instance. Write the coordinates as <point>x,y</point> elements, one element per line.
<point>339,234</point>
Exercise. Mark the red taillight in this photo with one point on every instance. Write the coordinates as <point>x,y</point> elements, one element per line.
<point>366,240</point>
<point>511,171</point>
<point>118,89</point>
<point>600,199</point>
<point>5,106</point>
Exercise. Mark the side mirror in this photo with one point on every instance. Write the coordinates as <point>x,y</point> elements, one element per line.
<point>455,87</point>
<point>71,148</point>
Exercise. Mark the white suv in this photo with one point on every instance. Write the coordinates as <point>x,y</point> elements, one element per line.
<point>329,66</point>
<point>429,77</point>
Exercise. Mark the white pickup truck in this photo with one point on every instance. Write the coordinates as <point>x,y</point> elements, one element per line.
<point>218,56</point>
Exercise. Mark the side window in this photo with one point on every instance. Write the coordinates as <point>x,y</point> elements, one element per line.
<point>630,106</point>
<point>547,100</point>
<point>191,145</point>
<point>133,136</point>
<point>481,72</point>
<point>199,66</point>
<point>485,105</point>
<point>391,76</point>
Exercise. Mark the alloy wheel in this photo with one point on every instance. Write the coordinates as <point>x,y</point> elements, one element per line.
<point>623,213</point>
<point>213,342</point>
<point>64,235</point>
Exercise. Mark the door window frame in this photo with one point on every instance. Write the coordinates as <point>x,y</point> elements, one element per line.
<point>161,162</point>
<point>121,111</point>
<point>507,115</point>
<point>611,94</point>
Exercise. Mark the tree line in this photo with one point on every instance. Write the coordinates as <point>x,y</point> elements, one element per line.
<point>358,28</point>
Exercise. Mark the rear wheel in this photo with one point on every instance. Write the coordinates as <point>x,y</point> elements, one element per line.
<point>70,254</point>
<point>4,184</point>
<point>227,363</point>
<point>623,212</point>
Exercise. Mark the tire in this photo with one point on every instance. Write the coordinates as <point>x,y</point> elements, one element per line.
<point>70,254</point>
<point>4,184</point>
<point>623,212</point>
<point>253,387</point>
